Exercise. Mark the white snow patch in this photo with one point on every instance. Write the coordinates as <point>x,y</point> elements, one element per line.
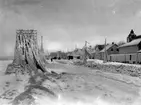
<point>97,61</point>
<point>62,101</point>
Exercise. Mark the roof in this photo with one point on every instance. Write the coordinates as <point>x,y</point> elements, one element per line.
<point>93,51</point>
<point>107,47</point>
<point>132,43</point>
<point>139,36</point>
<point>69,54</point>
<point>76,52</point>
<point>100,47</point>
<point>139,51</point>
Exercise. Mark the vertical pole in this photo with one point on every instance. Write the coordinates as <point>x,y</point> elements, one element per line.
<point>42,49</point>
<point>105,54</point>
<point>75,46</point>
<point>84,59</point>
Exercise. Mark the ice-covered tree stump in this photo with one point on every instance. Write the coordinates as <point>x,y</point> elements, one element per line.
<point>27,55</point>
<point>28,60</point>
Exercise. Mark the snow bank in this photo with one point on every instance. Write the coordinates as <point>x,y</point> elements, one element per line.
<point>114,67</point>
<point>3,65</point>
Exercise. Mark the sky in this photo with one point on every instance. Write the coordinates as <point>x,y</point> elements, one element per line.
<point>65,24</point>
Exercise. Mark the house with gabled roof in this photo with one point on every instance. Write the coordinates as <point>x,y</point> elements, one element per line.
<point>77,53</point>
<point>95,51</point>
<point>109,49</point>
<point>131,47</point>
<point>133,44</point>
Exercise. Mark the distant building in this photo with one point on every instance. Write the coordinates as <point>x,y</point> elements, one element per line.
<point>53,55</point>
<point>96,51</point>
<point>90,52</point>
<point>61,55</point>
<point>58,55</point>
<point>76,54</point>
<point>133,44</point>
<point>69,55</point>
<point>110,49</point>
<point>132,36</point>
<point>130,47</point>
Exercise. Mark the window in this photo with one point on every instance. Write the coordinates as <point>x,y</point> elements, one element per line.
<point>111,49</point>
<point>130,57</point>
<point>110,58</point>
<point>117,49</point>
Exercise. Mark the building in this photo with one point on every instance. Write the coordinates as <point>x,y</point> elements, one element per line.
<point>109,49</point>
<point>53,55</point>
<point>132,36</point>
<point>76,54</point>
<point>61,55</point>
<point>96,51</point>
<point>130,47</point>
<point>93,54</point>
<point>133,44</point>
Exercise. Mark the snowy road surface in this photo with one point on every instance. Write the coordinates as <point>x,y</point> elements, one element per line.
<point>59,67</point>
<point>87,85</point>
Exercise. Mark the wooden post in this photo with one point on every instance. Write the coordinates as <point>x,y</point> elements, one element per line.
<point>42,48</point>
<point>84,56</point>
<point>105,53</point>
<point>85,53</point>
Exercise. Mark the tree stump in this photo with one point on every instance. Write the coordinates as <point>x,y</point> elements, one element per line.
<point>28,59</point>
<point>27,55</point>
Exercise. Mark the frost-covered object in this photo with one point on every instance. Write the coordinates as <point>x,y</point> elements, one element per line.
<point>115,67</point>
<point>27,55</point>
<point>29,67</point>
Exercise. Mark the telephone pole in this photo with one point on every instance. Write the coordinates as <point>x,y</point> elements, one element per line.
<point>42,49</point>
<point>105,53</point>
<point>85,52</point>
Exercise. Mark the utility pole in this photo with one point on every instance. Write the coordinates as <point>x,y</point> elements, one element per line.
<point>75,46</point>
<point>85,54</point>
<point>105,53</point>
<point>86,43</point>
<point>42,49</point>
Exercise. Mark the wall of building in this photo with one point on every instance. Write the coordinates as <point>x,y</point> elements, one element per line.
<point>113,50</point>
<point>128,49</point>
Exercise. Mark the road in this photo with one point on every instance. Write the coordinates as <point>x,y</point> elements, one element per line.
<point>83,83</point>
<point>59,67</point>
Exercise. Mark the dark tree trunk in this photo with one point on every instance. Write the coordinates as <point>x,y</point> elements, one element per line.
<point>27,55</point>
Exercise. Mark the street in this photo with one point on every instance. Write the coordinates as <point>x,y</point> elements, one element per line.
<point>85,84</point>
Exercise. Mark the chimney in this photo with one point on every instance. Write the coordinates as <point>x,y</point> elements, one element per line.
<point>113,43</point>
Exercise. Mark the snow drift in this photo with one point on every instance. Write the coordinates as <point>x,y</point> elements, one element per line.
<point>114,67</point>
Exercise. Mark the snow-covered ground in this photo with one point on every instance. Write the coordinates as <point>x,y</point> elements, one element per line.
<point>9,86</point>
<point>94,87</point>
<point>80,86</point>
<point>114,67</point>
<point>112,63</point>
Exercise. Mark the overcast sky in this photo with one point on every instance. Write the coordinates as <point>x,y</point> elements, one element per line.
<point>65,23</point>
